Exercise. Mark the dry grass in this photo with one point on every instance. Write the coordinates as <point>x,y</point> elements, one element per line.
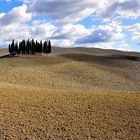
<point>3,52</point>
<point>72,72</point>
<point>38,114</point>
<point>66,97</point>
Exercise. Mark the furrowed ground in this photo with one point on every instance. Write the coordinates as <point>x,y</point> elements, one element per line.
<point>70,96</point>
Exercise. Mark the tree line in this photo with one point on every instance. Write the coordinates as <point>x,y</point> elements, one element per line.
<point>30,47</point>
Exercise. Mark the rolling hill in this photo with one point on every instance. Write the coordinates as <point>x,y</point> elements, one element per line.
<point>74,93</point>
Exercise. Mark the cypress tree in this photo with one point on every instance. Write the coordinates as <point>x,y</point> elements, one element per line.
<point>40,47</point>
<point>23,46</point>
<point>28,47</point>
<point>9,48</point>
<point>49,47</point>
<point>36,46</point>
<point>45,47</point>
<point>13,47</point>
<point>16,48</point>
<point>33,46</point>
<point>20,47</point>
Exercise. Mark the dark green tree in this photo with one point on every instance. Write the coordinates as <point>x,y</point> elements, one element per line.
<point>45,47</point>
<point>16,48</point>
<point>49,47</point>
<point>24,46</point>
<point>9,48</point>
<point>13,47</point>
<point>29,47</point>
<point>40,46</point>
<point>33,46</point>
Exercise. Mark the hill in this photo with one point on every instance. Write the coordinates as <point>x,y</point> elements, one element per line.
<point>75,93</point>
<point>3,51</point>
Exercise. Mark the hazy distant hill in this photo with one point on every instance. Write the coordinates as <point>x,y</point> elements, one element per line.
<point>95,51</point>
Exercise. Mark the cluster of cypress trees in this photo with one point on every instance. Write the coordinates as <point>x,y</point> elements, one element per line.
<point>30,47</point>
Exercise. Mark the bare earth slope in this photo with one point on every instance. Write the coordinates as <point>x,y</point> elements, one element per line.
<point>71,94</point>
<point>3,51</point>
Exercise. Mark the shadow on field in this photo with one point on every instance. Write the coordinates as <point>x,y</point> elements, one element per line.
<point>8,56</point>
<point>99,58</point>
<point>5,56</point>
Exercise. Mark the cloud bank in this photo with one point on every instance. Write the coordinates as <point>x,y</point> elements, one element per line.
<point>66,22</point>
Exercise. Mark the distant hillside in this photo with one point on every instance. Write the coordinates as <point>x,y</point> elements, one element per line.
<point>3,51</point>
<point>94,51</point>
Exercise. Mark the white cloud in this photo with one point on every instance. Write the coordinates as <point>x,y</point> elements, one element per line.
<point>42,29</point>
<point>71,32</point>
<point>136,37</point>
<point>38,30</point>
<point>27,1</point>
<point>11,22</point>
<point>134,30</point>
<point>122,45</point>
<point>63,43</point>
<point>103,33</point>
<point>15,16</point>
<point>122,8</point>
<point>67,31</point>
<point>66,11</point>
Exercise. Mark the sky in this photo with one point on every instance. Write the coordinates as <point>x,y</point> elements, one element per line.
<point>107,24</point>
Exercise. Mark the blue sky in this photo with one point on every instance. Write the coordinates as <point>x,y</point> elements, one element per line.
<point>73,23</point>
